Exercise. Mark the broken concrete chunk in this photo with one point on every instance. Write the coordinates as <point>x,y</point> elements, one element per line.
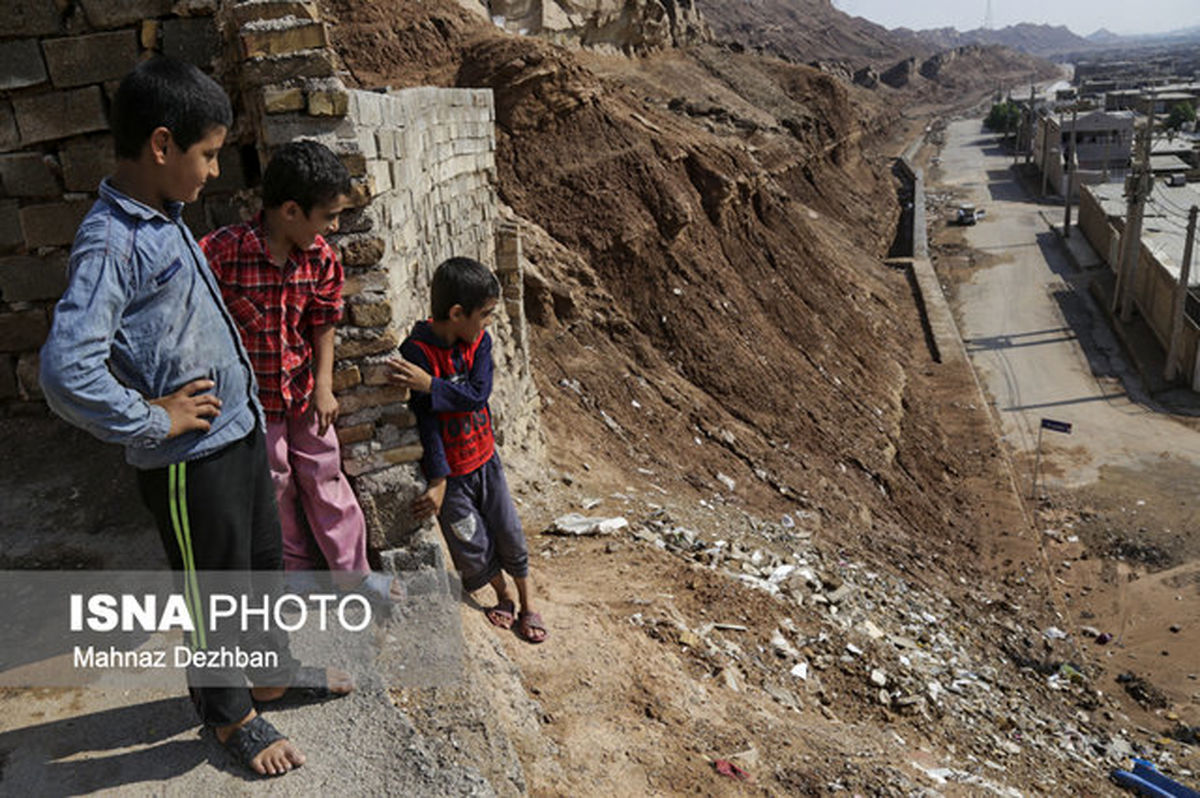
<point>578,525</point>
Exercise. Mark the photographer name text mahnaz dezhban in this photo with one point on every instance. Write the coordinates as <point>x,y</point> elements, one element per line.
<point>181,657</point>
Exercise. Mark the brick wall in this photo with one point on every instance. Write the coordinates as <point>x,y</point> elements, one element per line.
<point>422,161</point>
<point>60,62</point>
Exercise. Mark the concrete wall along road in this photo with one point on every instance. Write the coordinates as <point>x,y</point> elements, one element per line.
<point>1156,279</point>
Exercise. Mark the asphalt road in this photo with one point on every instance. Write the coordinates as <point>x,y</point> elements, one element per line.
<point>1039,344</point>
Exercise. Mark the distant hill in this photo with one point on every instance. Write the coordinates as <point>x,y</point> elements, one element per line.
<point>1107,38</point>
<point>808,30</point>
<point>1042,40</point>
<point>1103,36</point>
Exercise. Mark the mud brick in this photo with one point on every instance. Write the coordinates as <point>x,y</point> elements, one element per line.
<point>59,114</point>
<point>380,173</point>
<point>369,281</point>
<point>353,402</point>
<point>10,226</point>
<point>250,12</point>
<point>29,17</point>
<point>328,98</point>
<point>345,379</point>
<point>377,374</point>
<point>79,60</point>
<point>402,454</point>
<point>149,34</point>
<point>86,161</point>
<point>400,417</point>
<point>369,108</point>
<point>24,278</point>
<point>362,251</point>
<point>385,143</point>
<point>28,386</point>
<point>26,174</point>
<point>281,68</point>
<point>262,40</point>
<point>355,434</point>
<point>281,99</point>
<point>23,331</point>
<point>357,347</point>
<point>194,8</point>
<point>370,314</point>
<point>21,64</point>
<point>9,139</point>
<point>8,377</point>
<point>193,39</point>
<point>53,224</point>
<point>119,13</point>
<point>380,460</point>
<point>279,129</point>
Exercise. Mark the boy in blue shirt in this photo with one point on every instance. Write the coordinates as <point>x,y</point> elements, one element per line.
<point>143,353</point>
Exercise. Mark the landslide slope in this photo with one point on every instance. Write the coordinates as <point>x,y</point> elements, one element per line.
<point>705,229</point>
<point>714,333</point>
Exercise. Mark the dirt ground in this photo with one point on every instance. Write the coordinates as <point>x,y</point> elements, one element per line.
<point>828,578</point>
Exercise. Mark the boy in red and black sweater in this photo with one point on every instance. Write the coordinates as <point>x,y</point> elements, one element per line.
<point>447,364</point>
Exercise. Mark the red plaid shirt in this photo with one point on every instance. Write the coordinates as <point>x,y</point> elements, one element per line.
<point>276,308</point>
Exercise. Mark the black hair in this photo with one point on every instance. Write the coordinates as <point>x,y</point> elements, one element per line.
<point>462,281</point>
<point>166,92</point>
<point>306,172</point>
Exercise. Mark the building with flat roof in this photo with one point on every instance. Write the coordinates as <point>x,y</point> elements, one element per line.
<point>1100,140</point>
<point>1160,258</point>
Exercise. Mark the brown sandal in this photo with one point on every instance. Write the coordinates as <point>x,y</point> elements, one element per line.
<point>526,623</point>
<point>502,615</point>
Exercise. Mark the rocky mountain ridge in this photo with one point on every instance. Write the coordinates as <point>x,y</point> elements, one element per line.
<point>1040,40</point>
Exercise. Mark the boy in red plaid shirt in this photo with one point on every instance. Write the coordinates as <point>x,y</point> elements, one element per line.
<point>282,283</point>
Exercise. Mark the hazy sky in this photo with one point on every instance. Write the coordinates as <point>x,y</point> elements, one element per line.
<point>1081,16</point>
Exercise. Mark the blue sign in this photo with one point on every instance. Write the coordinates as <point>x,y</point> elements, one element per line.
<point>1056,426</point>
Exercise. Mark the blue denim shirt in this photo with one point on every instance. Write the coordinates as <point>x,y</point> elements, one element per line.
<point>142,316</point>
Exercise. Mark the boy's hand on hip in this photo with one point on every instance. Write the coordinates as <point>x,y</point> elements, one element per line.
<point>410,375</point>
<point>429,503</point>
<point>325,404</point>
<point>189,409</point>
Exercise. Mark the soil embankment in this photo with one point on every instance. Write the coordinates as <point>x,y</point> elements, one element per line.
<point>719,346</point>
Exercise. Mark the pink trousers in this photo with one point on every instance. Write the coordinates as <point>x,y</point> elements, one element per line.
<point>307,471</point>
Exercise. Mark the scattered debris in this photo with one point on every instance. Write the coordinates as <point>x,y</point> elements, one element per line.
<point>727,768</point>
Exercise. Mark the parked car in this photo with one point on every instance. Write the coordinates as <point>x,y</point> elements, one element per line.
<point>967,213</point>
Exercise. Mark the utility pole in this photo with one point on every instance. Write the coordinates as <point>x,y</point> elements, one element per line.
<point>1032,101</point>
<point>1072,166</point>
<point>1181,290</point>
<point>1104,166</point>
<point>1137,188</point>
<point>1045,120</point>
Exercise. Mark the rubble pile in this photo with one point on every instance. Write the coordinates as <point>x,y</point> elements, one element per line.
<point>852,640</point>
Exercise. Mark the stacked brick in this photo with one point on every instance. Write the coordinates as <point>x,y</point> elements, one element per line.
<point>423,165</point>
<point>422,162</point>
<point>60,62</point>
